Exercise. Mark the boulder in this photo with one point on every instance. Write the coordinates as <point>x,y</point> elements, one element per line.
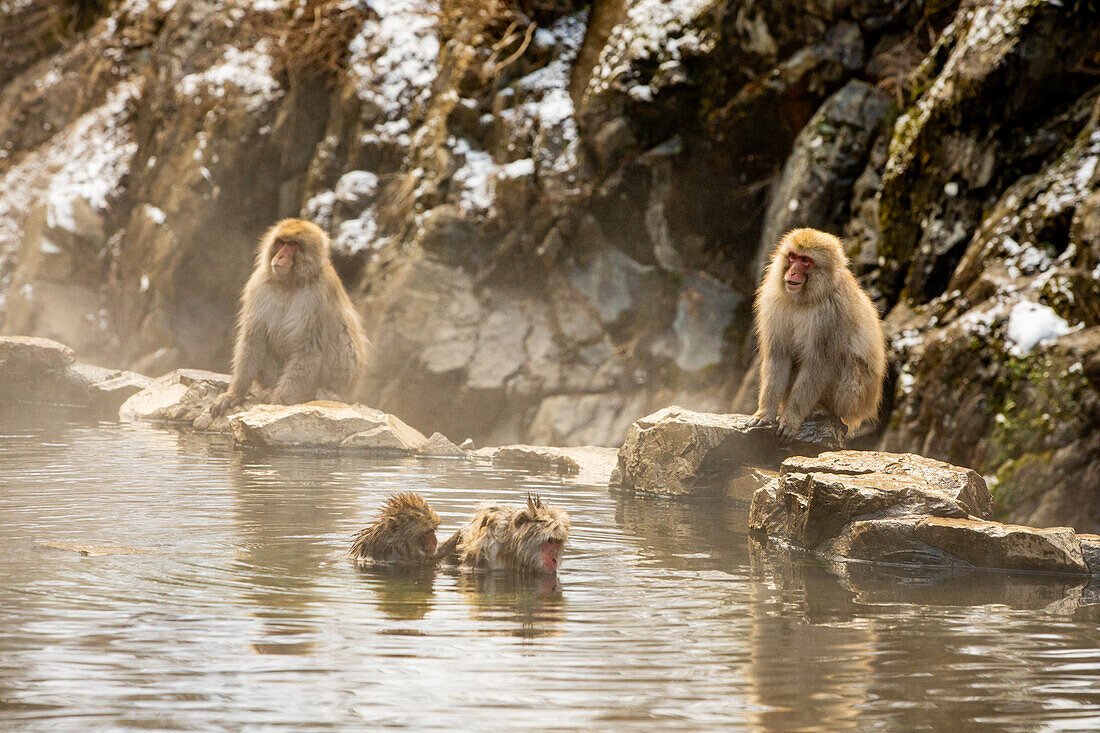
<point>962,541</point>
<point>680,452</point>
<point>41,370</point>
<point>325,424</point>
<point>181,396</point>
<point>440,446</point>
<point>905,509</point>
<point>963,485</point>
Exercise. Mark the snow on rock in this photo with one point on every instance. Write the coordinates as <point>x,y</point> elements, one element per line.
<point>85,163</point>
<point>393,62</point>
<point>660,31</point>
<point>248,72</point>
<point>1031,323</point>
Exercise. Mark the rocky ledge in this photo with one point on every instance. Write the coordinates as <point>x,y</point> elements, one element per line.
<point>905,509</point>
<point>678,452</point>
<point>42,370</point>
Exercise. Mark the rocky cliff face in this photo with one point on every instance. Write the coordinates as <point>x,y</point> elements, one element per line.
<point>552,213</point>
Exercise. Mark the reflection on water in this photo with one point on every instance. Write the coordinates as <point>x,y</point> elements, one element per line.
<point>242,609</point>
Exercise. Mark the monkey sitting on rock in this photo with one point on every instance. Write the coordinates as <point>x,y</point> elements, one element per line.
<point>821,342</point>
<point>299,337</point>
<point>402,533</point>
<point>526,539</point>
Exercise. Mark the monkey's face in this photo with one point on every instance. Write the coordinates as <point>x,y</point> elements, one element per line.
<point>282,262</point>
<point>427,543</point>
<point>799,266</point>
<point>550,554</point>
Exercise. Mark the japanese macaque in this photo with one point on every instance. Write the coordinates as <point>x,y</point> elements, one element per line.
<point>821,342</point>
<point>299,337</point>
<point>402,533</point>
<point>525,538</point>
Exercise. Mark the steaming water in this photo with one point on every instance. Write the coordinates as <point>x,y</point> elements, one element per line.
<point>240,611</point>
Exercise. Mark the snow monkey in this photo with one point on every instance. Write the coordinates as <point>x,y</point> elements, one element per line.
<point>298,334</point>
<point>821,342</point>
<point>525,538</point>
<point>403,532</point>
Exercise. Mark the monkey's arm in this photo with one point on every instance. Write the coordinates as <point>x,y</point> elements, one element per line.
<point>809,385</point>
<point>249,354</point>
<point>775,373</point>
<point>448,551</point>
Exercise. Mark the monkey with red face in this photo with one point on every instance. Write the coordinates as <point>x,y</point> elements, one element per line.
<point>821,341</point>
<point>299,337</point>
<point>526,539</point>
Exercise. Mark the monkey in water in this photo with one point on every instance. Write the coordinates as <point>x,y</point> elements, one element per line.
<point>402,533</point>
<point>526,539</point>
<point>821,341</point>
<point>298,335</point>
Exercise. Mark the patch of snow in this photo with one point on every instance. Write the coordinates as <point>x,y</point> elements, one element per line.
<point>518,168</point>
<point>144,286</point>
<point>249,72</point>
<point>86,162</point>
<point>654,30</point>
<point>393,61</point>
<point>157,216</point>
<point>1031,323</point>
<point>357,235</point>
<point>474,177</point>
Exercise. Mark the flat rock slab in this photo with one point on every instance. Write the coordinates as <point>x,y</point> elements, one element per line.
<point>325,424</point>
<point>680,452</point>
<point>961,541</point>
<point>177,397</point>
<point>587,463</point>
<point>964,485</point>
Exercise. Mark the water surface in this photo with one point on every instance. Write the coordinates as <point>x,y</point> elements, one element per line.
<point>238,608</point>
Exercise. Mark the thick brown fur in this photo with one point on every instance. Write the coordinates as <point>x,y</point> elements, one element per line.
<point>403,533</point>
<point>821,343</point>
<point>299,337</point>
<point>517,538</point>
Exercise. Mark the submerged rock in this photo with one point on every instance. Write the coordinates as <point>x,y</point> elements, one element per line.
<point>588,463</point>
<point>905,509</point>
<point>679,452</point>
<point>325,424</point>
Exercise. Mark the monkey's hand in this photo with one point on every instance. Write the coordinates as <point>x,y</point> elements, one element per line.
<point>788,427</point>
<point>760,417</point>
<point>224,403</point>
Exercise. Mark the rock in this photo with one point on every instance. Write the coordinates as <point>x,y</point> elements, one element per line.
<point>104,389</point>
<point>941,540</point>
<point>963,485</point>
<point>677,452</point>
<point>40,370</point>
<point>591,464</point>
<point>178,397</point>
<point>325,424</point>
<point>1090,551</point>
<point>828,156</point>
<point>903,509</point>
<point>89,550</point>
<point>29,357</point>
<point>439,446</point>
